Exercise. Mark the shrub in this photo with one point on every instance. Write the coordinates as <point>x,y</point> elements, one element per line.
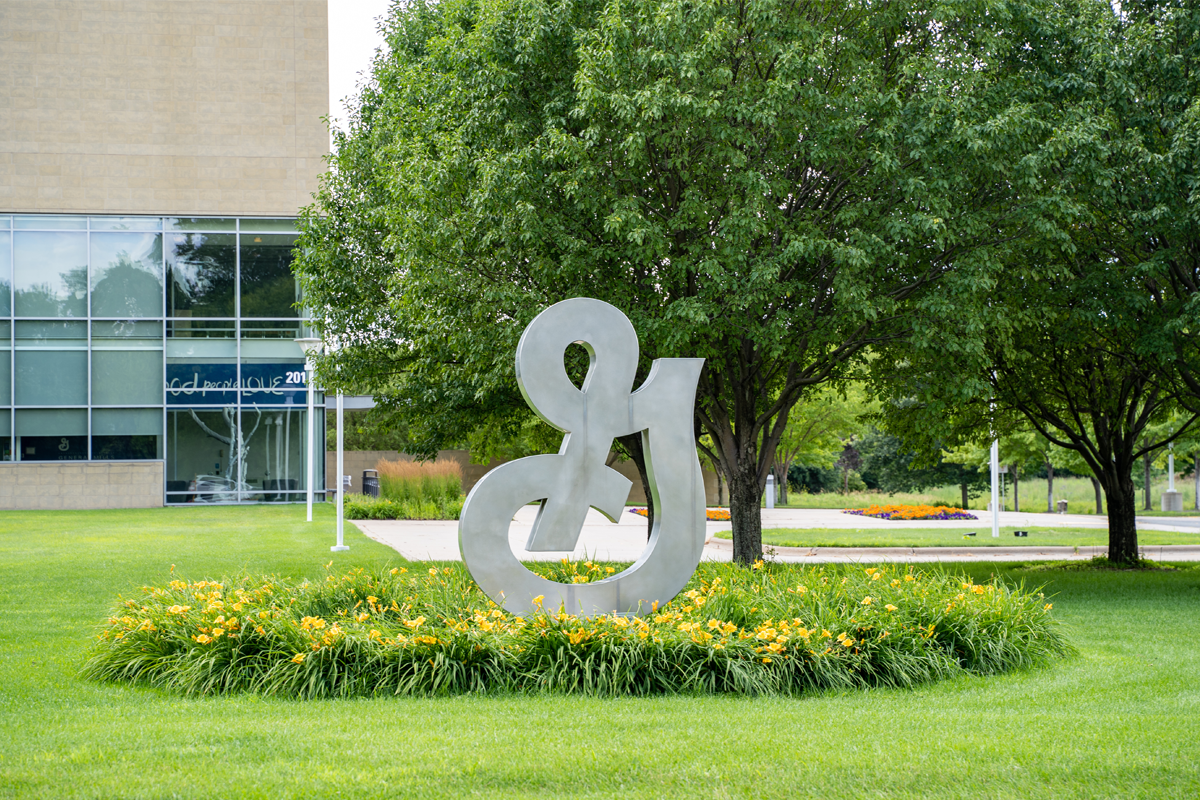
<point>776,629</point>
<point>367,507</point>
<point>416,481</point>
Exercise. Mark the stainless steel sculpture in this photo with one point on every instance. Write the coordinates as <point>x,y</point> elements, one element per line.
<point>577,478</point>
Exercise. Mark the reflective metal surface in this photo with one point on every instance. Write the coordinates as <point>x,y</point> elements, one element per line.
<point>576,478</point>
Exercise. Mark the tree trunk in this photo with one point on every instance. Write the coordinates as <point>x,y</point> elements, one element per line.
<point>781,485</point>
<point>745,494</point>
<point>632,444</point>
<point>1049,487</point>
<point>1196,479</point>
<point>1099,496</point>
<point>1122,521</point>
<point>1016,472</point>
<point>1146,482</point>
<point>965,495</point>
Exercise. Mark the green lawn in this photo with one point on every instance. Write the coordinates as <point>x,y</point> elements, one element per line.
<point>1120,719</point>
<point>1033,496</point>
<point>956,537</point>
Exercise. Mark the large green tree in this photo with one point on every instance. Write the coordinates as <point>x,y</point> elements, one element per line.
<point>1091,334</point>
<point>774,186</point>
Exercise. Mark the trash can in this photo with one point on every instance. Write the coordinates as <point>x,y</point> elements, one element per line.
<point>1062,506</point>
<point>370,482</point>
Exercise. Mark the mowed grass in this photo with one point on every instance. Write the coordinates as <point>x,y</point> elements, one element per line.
<point>1078,492</point>
<point>1120,719</point>
<point>956,537</point>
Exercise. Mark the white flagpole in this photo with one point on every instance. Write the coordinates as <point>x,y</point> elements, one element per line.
<point>996,488</point>
<point>341,484</point>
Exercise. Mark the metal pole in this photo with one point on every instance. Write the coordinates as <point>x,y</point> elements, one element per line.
<point>341,467</point>
<point>1171,468</point>
<point>996,488</point>
<point>308,368</point>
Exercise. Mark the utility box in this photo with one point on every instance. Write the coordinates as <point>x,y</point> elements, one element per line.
<point>1172,501</point>
<point>1062,506</point>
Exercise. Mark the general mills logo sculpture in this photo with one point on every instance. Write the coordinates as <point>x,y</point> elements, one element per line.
<point>577,478</point>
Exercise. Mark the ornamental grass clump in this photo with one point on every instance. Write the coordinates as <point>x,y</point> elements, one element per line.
<point>419,482</point>
<point>429,630</point>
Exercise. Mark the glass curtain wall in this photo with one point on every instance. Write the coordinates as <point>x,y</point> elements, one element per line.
<point>156,338</point>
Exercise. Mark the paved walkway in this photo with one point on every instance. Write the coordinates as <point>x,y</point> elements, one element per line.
<point>626,540</point>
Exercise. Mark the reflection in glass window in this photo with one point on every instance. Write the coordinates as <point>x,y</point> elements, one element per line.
<point>120,434</point>
<point>127,333</point>
<point>5,379</point>
<point>127,278</point>
<point>125,223</point>
<point>50,274</point>
<point>44,333</point>
<point>51,363</point>
<point>271,329</point>
<point>268,287</point>
<point>202,274</point>
<point>5,370</point>
<point>52,435</point>
<point>48,222</point>
<point>263,224</point>
<point>184,328</point>
<point>5,273</point>
<point>200,224</point>
<point>127,377</point>
<point>276,452</point>
<point>51,377</point>
<point>202,455</point>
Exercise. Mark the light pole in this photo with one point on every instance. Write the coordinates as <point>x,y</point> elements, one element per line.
<point>996,488</point>
<point>311,347</point>
<point>341,483</point>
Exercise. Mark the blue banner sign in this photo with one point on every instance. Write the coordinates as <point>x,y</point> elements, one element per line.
<point>218,384</point>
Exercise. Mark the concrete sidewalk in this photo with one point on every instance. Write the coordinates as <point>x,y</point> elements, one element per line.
<point>600,540</point>
<point>626,540</point>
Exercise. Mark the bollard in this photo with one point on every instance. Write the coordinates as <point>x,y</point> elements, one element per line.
<point>770,491</point>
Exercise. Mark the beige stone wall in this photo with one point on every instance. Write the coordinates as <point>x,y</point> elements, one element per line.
<point>162,106</point>
<point>58,485</point>
<point>356,461</point>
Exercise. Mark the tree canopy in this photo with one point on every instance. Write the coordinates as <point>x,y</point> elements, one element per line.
<point>1089,334</point>
<point>775,187</point>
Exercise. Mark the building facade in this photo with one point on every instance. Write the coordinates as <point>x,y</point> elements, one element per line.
<point>153,158</point>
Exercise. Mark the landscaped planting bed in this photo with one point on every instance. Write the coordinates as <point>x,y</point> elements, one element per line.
<point>911,512</point>
<point>773,629</point>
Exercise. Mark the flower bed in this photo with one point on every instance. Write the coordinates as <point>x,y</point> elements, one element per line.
<point>713,514</point>
<point>911,512</point>
<point>775,629</point>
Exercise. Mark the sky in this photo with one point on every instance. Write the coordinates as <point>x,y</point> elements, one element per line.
<point>353,39</point>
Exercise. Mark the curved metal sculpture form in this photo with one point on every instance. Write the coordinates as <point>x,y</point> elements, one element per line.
<point>577,478</point>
